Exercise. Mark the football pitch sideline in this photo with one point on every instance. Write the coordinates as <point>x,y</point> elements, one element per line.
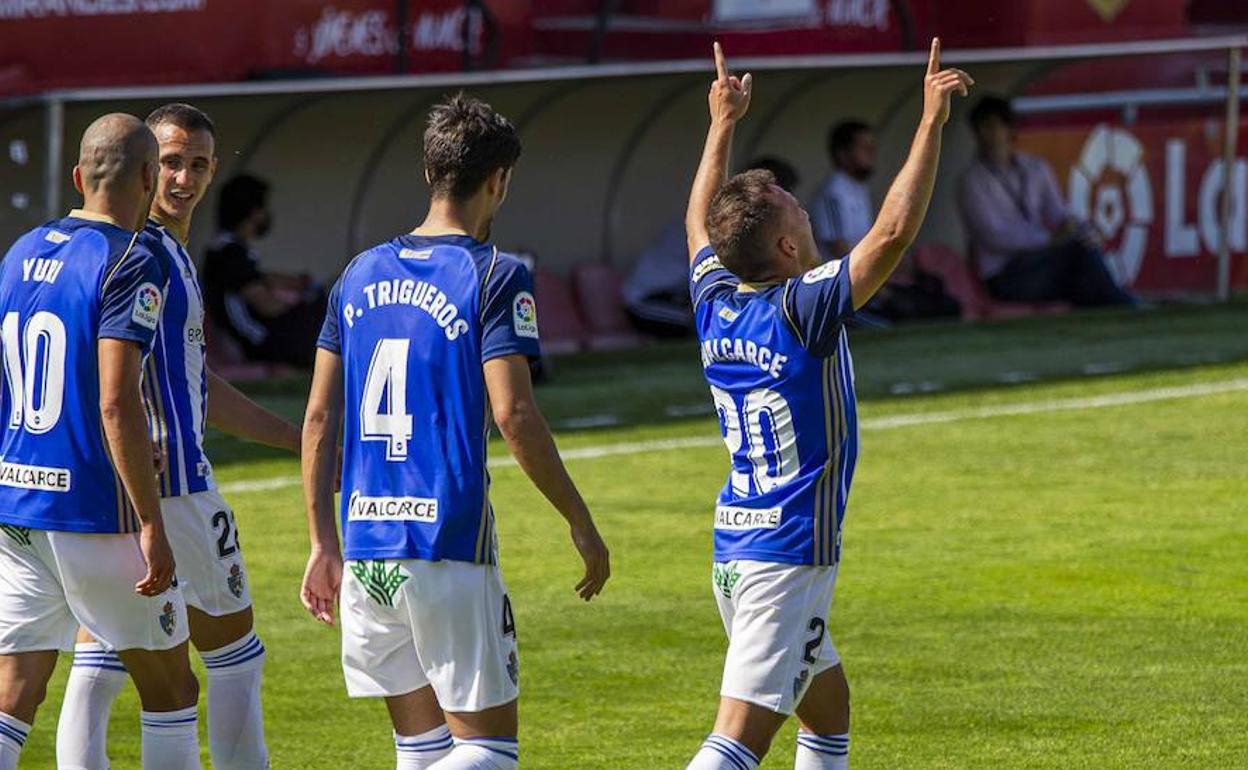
<point>1039,575</point>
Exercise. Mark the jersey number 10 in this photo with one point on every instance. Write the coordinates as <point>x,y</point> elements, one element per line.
<point>387,382</point>
<point>769,439</point>
<point>36,390</point>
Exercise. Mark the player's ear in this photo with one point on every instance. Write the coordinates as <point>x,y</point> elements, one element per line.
<point>78,180</point>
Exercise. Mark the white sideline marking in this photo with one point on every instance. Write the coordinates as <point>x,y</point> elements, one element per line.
<point>1104,401</point>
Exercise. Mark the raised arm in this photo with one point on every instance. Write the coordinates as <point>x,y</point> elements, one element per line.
<point>524,429</point>
<point>323,576</point>
<point>729,99</point>
<point>232,412</point>
<point>905,206</point>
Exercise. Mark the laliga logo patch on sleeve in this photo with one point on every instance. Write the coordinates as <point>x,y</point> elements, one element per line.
<point>823,272</point>
<point>524,315</point>
<point>146,306</point>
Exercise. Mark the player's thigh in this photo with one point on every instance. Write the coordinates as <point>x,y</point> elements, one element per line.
<point>34,613</point>
<point>379,657</point>
<point>98,574</point>
<point>203,534</point>
<point>778,638</point>
<point>465,634</point>
<point>824,709</point>
<point>24,682</point>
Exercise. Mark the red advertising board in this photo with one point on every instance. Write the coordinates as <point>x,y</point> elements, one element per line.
<point>1153,191</point>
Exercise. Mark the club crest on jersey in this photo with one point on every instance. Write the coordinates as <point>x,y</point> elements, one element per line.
<point>380,583</point>
<point>235,581</point>
<point>168,619</point>
<point>524,315</point>
<point>147,302</point>
<point>823,272</point>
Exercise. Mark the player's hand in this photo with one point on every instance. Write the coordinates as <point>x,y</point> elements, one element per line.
<point>321,582</point>
<point>596,557</point>
<point>160,458</point>
<point>730,95</point>
<point>158,557</point>
<point>939,86</point>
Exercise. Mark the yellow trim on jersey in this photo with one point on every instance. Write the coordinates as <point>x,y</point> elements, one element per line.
<point>120,261</point>
<point>157,420</point>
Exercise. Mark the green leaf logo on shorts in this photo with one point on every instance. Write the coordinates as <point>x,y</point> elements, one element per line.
<point>20,535</point>
<point>725,577</point>
<point>380,583</point>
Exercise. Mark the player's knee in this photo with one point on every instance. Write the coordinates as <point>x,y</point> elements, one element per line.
<point>21,693</point>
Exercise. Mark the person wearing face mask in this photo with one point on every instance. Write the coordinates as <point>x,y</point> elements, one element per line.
<point>274,317</point>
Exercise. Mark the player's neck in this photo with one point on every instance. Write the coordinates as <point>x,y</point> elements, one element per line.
<point>181,230</point>
<point>125,217</point>
<point>447,217</point>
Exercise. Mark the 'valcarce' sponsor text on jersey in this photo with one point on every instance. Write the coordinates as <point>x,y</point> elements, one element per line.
<point>777,360</point>
<point>175,381</point>
<point>63,287</point>
<point>414,319</point>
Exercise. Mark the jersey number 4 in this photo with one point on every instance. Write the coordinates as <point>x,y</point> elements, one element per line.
<point>386,387</point>
<point>37,388</point>
<point>762,426</point>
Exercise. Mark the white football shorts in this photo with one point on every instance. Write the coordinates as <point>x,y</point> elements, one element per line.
<point>410,623</point>
<point>776,617</point>
<point>52,582</point>
<point>204,538</point>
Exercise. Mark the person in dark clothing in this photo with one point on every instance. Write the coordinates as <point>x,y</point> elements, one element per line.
<point>274,317</point>
<point>1027,244</point>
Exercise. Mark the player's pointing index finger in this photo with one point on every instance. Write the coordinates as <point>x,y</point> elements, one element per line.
<point>933,59</point>
<point>721,67</point>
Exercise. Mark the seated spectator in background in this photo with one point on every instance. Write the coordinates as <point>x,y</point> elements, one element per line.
<point>841,214</point>
<point>842,211</point>
<point>275,317</point>
<point>1027,245</point>
<point>656,293</point>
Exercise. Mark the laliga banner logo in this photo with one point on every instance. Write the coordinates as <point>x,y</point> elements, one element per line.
<point>1109,187</point>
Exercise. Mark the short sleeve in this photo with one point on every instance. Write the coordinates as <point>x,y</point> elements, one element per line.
<point>509,312</point>
<point>328,338</point>
<point>708,277</point>
<point>817,303</point>
<point>132,297</point>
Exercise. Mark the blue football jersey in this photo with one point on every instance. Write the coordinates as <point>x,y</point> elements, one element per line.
<point>777,360</point>
<point>414,319</point>
<point>63,287</point>
<point>175,381</point>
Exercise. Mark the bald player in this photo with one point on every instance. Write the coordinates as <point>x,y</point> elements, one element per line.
<point>82,541</point>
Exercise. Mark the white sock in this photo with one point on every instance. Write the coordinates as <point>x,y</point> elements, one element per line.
<point>419,752</point>
<point>720,752</point>
<point>822,752</point>
<point>13,732</point>
<point>95,680</point>
<point>235,718</point>
<point>481,754</point>
<point>171,739</point>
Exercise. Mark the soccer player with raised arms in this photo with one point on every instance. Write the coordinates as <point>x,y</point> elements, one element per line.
<point>181,394</point>
<point>83,540</point>
<point>774,351</point>
<point>427,335</point>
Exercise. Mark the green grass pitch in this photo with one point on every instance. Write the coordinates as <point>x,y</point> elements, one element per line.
<point>1058,589</point>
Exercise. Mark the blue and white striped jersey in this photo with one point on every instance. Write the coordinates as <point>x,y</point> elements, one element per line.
<point>175,382</point>
<point>63,287</point>
<point>782,380</point>
<point>414,319</point>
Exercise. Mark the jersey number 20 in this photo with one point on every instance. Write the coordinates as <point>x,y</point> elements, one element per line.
<point>386,384</point>
<point>763,425</point>
<point>37,389</point>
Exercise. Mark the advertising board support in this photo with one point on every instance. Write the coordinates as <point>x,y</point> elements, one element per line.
<point>54,127</point>
<point>1228,165</point>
